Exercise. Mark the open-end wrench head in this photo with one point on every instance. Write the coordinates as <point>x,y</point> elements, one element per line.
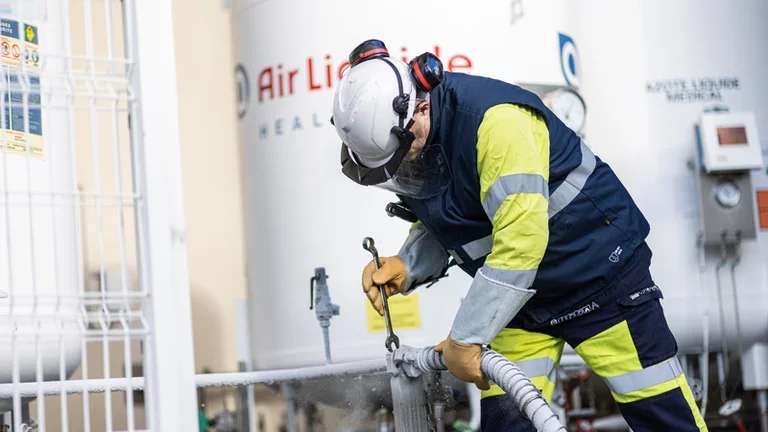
<point>391,341</point>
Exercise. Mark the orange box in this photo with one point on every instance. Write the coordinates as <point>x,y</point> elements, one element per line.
<point>762,206</point>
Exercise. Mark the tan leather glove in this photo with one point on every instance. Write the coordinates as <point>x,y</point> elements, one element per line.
<point>392,275</point>
<point>463,361</point>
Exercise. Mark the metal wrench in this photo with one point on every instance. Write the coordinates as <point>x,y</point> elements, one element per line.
<point>392,338</point>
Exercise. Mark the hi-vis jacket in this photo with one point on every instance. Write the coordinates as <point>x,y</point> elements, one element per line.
<point>528,202</point>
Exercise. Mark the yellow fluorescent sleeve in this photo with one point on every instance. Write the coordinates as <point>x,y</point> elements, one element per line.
<point>514,140</point>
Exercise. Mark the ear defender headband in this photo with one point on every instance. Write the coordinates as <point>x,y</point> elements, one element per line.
<point>426,72</point>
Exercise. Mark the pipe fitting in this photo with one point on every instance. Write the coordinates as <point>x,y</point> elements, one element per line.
<point>501,371</point>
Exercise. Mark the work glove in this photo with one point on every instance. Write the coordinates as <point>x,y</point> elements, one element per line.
<point>463,361</point>
<point>392,275</point>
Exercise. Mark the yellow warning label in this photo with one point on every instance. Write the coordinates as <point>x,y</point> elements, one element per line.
<point>405,312</point>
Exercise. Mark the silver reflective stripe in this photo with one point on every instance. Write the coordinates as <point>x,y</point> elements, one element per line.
<point>553,375</point>
<point>522,279</point>
<point>544,366</point>
<point>479,248</point>
<point>513,184</point>
<point>562,196</point>
<point>456,256</point>
<point>574,182</point>
<point>648,377</point>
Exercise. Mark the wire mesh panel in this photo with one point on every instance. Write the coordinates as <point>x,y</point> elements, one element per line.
<point>75,308</point>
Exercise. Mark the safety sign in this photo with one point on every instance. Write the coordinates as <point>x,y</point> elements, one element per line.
<point>19,43</point>
<point>404,310</point>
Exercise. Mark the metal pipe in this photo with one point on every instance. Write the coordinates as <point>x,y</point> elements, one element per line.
<point>723,338</point>
<point>762,405</point>
<point>704,368</point>
<point>704,364</point>
<point>440,416</point>
<point>502,372</point>
<point>327,344</point>
<point>736,261</point>
<point>290,398</point>
<point>721,375</point>
<point>474,406</point>
<point>382,420</point>
<point>704,356</point>
<point>722,357</point>
<point>245,392</point>
<point>251,409</point>
<point>49,388</point>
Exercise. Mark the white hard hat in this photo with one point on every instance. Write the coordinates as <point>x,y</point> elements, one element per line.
<point>364,111</point>
<point>373,111</point>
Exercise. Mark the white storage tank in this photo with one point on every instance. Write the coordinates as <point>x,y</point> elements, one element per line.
<point>649,70</point>
<point>300,210</point>
<point>38,226</point>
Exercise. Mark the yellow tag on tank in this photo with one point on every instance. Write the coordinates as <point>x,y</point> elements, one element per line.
<point>404,310</point>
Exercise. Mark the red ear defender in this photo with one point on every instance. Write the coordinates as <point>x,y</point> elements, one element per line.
<point>427,71</point>
<point>370,49</point>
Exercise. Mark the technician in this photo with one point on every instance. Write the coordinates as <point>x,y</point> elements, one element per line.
<point>555,243</point>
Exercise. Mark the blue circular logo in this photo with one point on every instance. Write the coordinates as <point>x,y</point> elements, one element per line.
<point>569,61</point>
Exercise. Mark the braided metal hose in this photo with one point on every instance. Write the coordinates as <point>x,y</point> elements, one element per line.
<point>506,375</point>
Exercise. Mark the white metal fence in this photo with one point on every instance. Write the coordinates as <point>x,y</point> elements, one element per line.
<point>94,289</point>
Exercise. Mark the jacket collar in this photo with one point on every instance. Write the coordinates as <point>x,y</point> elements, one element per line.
<point>436,102</point>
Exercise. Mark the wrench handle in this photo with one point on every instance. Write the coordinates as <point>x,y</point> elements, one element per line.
<point>392,339</point>
<point>385,304</point>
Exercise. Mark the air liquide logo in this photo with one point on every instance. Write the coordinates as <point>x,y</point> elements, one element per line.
<point>276,82</point>
<point>569,61</point>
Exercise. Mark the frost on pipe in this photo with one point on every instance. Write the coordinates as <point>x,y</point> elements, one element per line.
<point>363,367</point>
<point>502,372</point>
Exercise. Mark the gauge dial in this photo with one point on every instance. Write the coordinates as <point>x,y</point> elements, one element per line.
<point>727,194</point>
<point>568,106</point>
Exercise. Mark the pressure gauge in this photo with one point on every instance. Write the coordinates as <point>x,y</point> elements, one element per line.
<point>727,194</point>
<point>568,106</point>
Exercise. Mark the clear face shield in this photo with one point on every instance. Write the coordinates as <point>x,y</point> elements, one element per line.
<point>422,177</point>
<point>419,176</point>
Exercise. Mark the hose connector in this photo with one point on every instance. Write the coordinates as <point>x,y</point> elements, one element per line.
<point>497,368</point>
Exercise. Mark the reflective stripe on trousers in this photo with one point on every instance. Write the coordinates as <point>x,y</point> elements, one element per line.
<point>535,354</point>
<point>519,183</point>
<point>540,367</point>
<point>645,378</point>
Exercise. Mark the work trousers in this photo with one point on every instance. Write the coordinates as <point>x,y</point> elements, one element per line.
<point>624,338</point>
